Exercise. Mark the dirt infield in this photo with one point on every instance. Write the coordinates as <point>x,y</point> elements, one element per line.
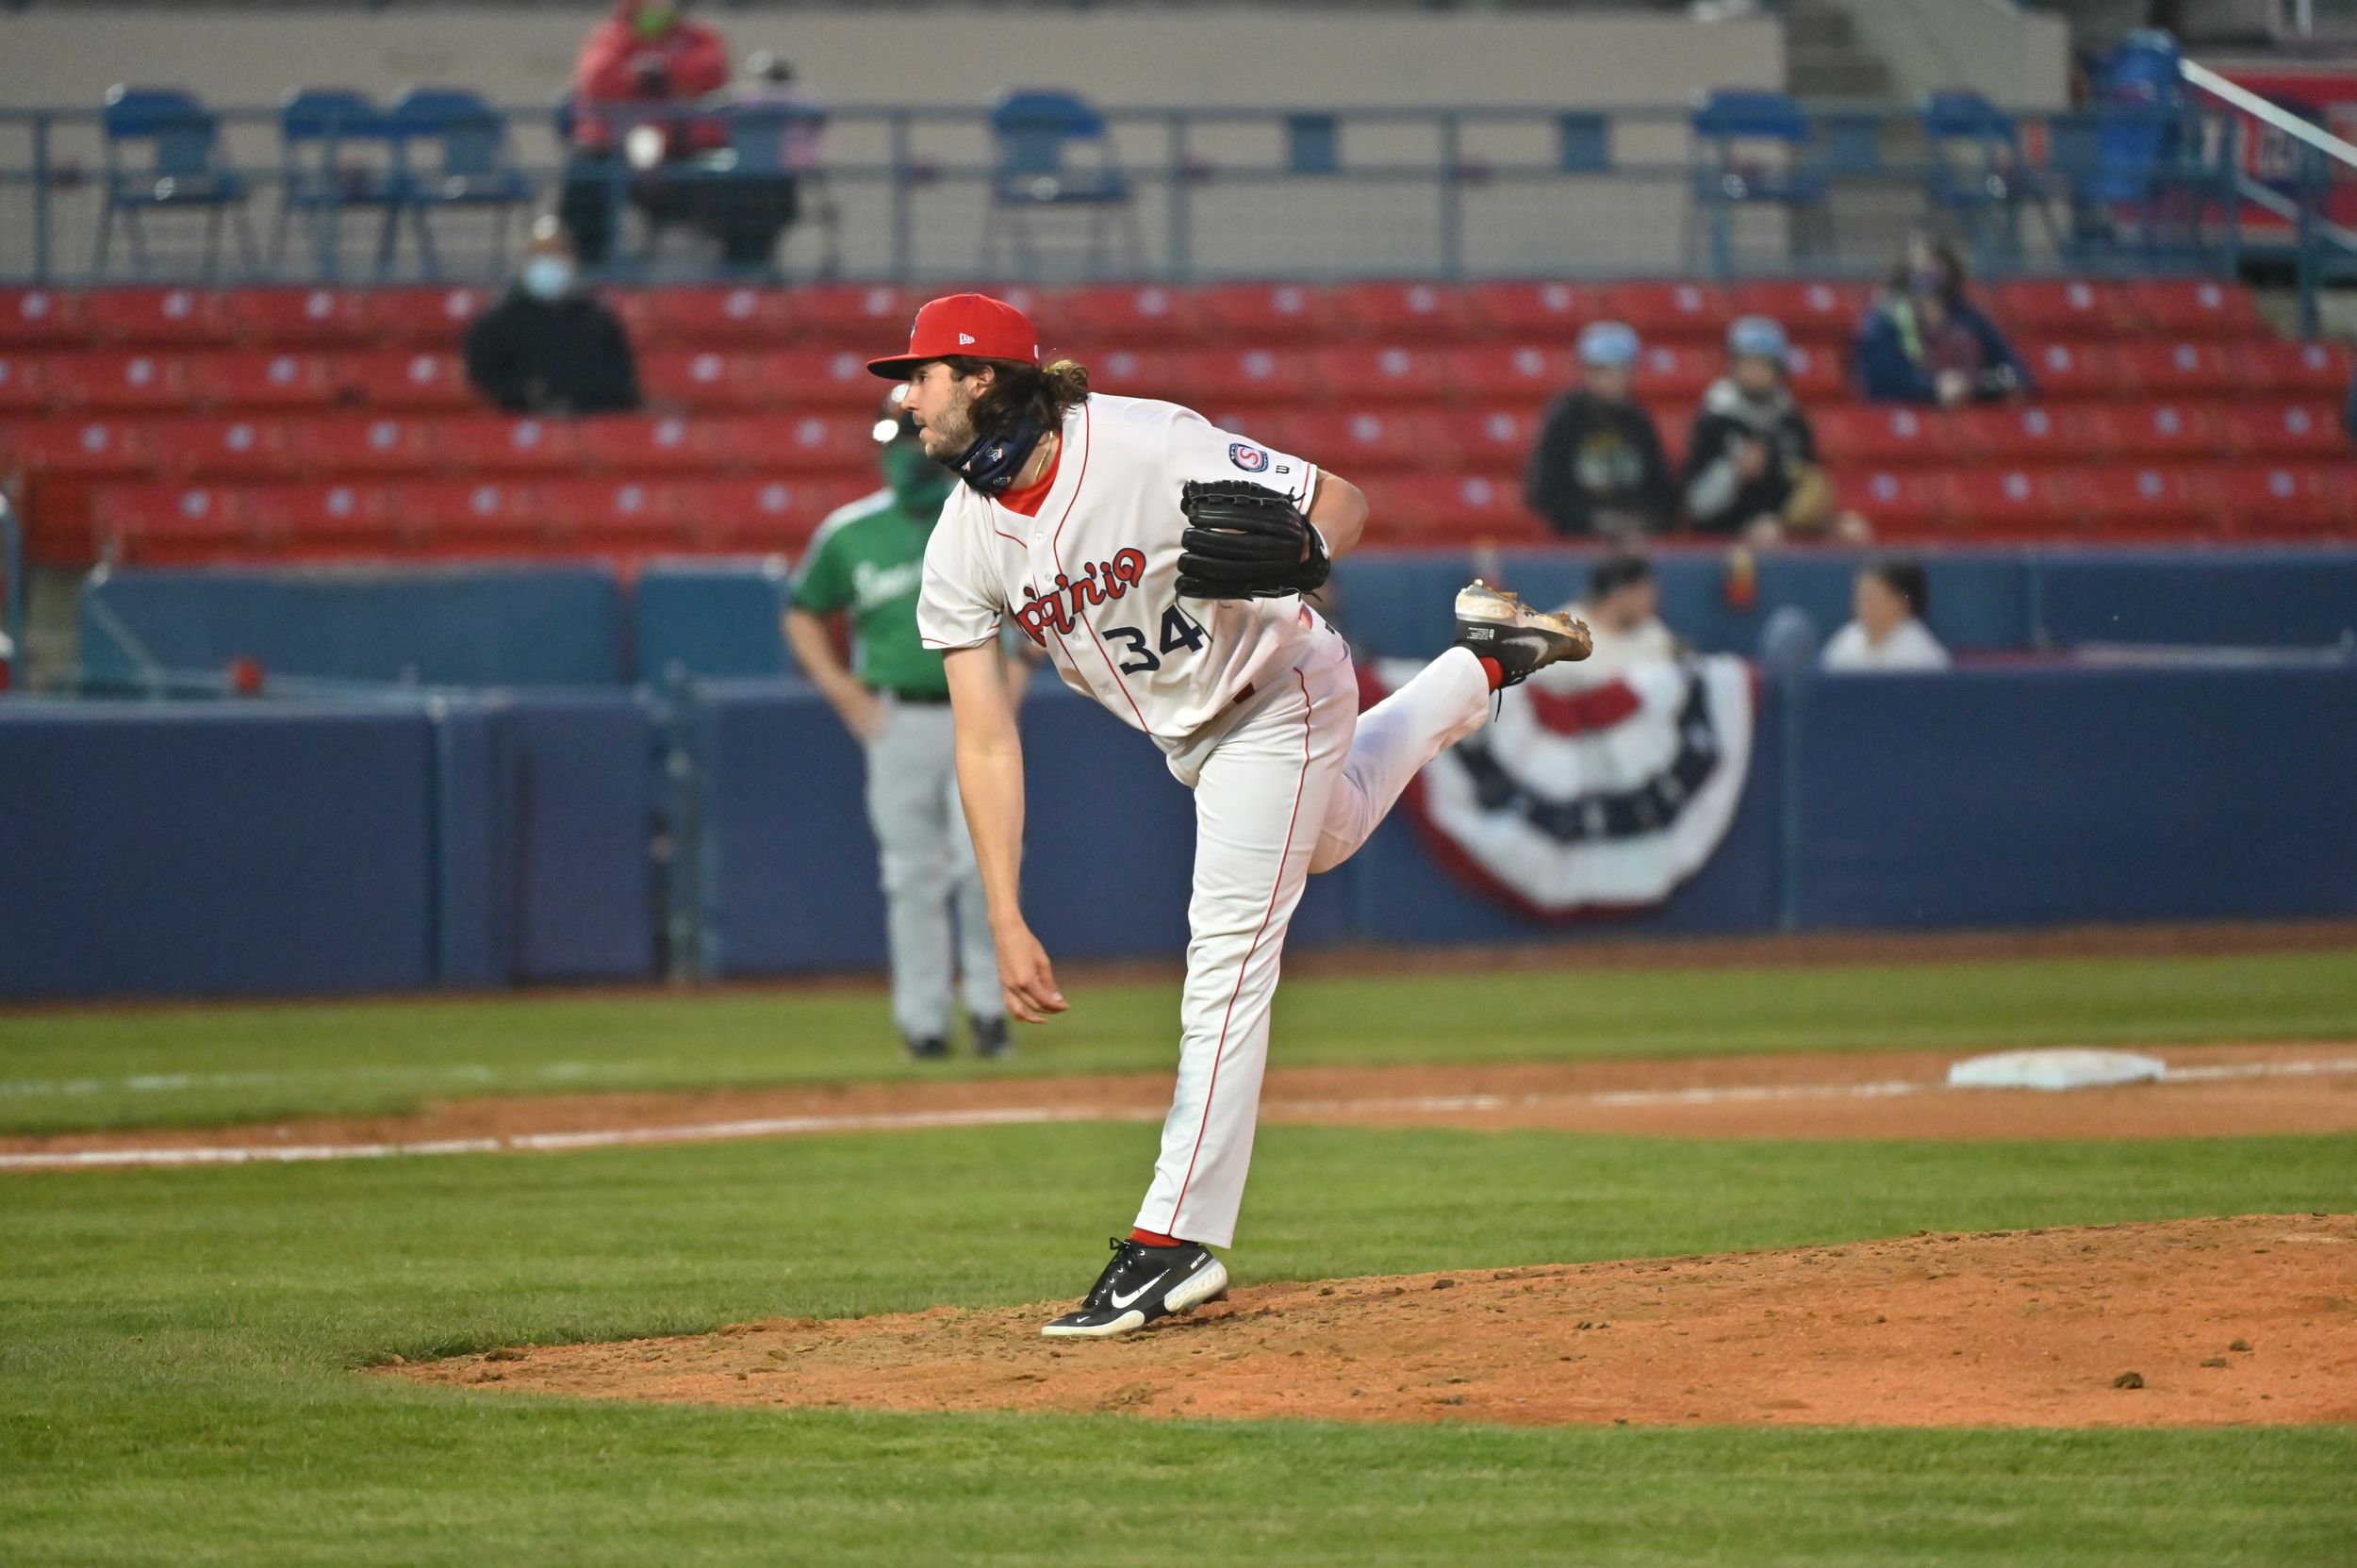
<point>2229,1090</point>
<point>2208,1322</point>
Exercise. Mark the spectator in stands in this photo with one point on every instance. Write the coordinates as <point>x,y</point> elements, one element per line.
<point>1924,341</point>
<point>761,195</point>
<point>547,346</point>
<point>646,54</point>
<point>1751,463</point>
<point>1623,609</point>
<point>1599,468</point>
<point>865,563</point>
<point>1889,632</point>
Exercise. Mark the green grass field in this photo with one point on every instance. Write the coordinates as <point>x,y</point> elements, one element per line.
<point>180,1350</point>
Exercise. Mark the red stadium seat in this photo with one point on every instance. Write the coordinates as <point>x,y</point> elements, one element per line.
<point>1900,503</point>
<point>2178,369</point>
<point>1433,508</point>
<point>2008,433</point>
<point>125,380</point>
<point>331,445</point>
<point>2143,501</point>
<point>1808,312</point>
<point>149,519</point>
<point>1395,311</point>
<point>1267,313</point>
<point>1142,314</point>
<point>95,447</point>
<point>154,318</point>
<point>1131,373</point>
<point>762,514</point>
<point>1394,373</point>
<point>1681,312</point>
<point>815,377</point>
<point>297,318</point>
<point>1676,372</point>
<point>40,317</point>
<point>2198,308</point>
<point>739,317</point>
<point>1499,440</point>
<point>2191,432</point>
<point>22,389</point>
<point>2073,309</point>
<point>502,444</point>
<point>703,378</point>
<point>868,317</point>
<point>1369,440</point>
<point>467,509</point>
<point>796,443</point>
<point>2011,502</point>
<point>345,515</point>
<point>404,378</point>
<point>429,318</point>
<point>615,513</point>
<point>1499,372</point>
<point>2290,370</point>
<point>2275,501</point>
<point>1876,435</point>
<point>1545,312</point>
<point>224,447</point>
<point>1818,375</point>
<point>2280,431</point>
<point>1240,377</point>
<point>260,378</point>
<point>646,444</point>
<point>2068,370</point>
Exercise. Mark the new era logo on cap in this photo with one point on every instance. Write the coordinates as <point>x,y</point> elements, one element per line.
<point>969,325</point>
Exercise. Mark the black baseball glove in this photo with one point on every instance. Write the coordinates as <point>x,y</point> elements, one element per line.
<point>1245,541</point>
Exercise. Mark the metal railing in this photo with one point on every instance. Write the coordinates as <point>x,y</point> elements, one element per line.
<point>917,192</point>
<point>2297,172</point>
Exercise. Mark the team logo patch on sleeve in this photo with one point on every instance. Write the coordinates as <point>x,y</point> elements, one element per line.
<point>1248,456</point>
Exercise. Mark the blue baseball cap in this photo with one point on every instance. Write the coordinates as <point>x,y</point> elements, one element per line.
<point>1607,345</point>
<point>1759,337</point>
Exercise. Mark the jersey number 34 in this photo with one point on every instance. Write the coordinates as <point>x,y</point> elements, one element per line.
<point>1182,634</point>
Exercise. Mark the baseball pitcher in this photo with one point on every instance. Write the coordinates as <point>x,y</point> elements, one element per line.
<point>1159,562</point>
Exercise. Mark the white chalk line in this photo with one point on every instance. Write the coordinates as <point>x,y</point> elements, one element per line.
<point>1032,1116</point>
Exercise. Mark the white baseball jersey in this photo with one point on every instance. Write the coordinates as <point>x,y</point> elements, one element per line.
<point>1093,577</point>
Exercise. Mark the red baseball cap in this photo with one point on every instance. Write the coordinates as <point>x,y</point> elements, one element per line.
<point>975,326</point>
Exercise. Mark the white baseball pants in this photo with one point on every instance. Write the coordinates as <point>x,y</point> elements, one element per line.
<point>1294,785</point>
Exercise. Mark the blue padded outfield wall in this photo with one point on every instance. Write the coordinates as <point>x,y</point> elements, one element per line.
<point>261,848</point>
<point>544,626</point>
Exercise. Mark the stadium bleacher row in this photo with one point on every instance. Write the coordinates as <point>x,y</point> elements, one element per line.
<point>175,424</point>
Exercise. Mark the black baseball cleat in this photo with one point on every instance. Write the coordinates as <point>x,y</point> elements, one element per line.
<point>993,1039</point>
<point>1141,1284</point>
<point>927,1047</point>
<point>1492,623</point>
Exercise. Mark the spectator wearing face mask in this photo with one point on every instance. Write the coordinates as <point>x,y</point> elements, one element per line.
<point>547,348</point>
<point>637,71</point>
<point>1751,463</point>
<point>1924,341</point>
<point>1598,466</point>
<point>1889,632</point>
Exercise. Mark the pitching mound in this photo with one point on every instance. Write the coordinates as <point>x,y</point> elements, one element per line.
<point>2184,1323</point>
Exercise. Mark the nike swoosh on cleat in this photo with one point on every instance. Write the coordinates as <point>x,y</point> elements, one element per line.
<point>1120,1300</point>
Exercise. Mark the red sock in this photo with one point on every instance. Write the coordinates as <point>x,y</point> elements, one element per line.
<point>1153,1238</point>
<point>1493,669</point>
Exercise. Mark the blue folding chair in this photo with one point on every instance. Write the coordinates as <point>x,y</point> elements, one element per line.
<point>338,152</point>
<point>163,152</point>
<point>1979,176</point>
<point>1041,135</point>
<point>1752,149</point>
<point>466,165</point>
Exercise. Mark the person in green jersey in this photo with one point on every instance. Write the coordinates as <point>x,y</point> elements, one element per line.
<point>864,564</point>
